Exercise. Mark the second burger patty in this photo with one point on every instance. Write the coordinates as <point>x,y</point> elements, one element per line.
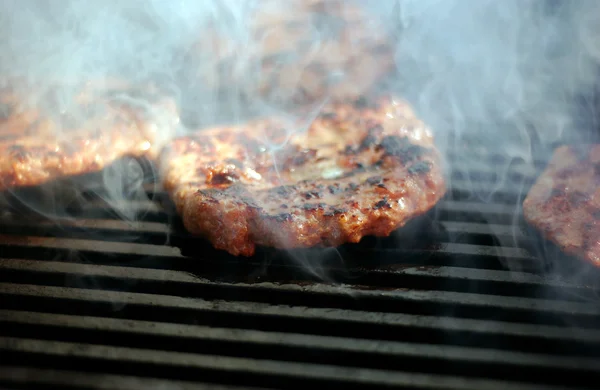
<point>564,202</point>
<point>100,128</point>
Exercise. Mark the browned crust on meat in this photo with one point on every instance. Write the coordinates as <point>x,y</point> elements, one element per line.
<point>301,52</point>
<point>36,147</point>
<point>361,168</point>
<point>564,202</point>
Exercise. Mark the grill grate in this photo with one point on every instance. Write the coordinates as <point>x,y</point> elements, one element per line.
<point>101,303</point>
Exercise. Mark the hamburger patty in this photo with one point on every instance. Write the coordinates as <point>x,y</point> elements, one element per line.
<point>359,169</point>
<point>564,203</point>
<point>96,130</point>
<point>299,52</point>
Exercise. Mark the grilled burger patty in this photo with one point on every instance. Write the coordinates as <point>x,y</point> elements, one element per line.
<point>36,148</point>
<point>359,169</point>
<point>300,51</point>
<point>564,203</point>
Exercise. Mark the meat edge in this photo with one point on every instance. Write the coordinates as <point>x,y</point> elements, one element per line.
<point>240,228</point>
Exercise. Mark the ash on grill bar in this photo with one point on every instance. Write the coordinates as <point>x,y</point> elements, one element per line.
<point>115,294</point>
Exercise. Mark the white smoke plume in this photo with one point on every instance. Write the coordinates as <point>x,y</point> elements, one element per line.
<point>512,78</point>
<point>505,73</point>
<point>522,63</point>
<point>458,61</point>
<point>50,42</point>
<point>52,49</point>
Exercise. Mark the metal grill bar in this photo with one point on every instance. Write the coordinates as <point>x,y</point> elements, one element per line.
<point>289,372</point>
<point>25,376</point>
<point>99,303</point>
<point>156,282</point>
<point>190,334</point>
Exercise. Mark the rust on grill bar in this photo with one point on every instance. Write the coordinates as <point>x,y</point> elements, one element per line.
<point>461,299</point>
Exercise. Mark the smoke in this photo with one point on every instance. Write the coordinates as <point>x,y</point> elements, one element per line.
<point>519,63</point>
<point>54,54</point>
<point>221,60</point>
<point>56,42</point>
<point>488,76</point>
<point>506,78</point>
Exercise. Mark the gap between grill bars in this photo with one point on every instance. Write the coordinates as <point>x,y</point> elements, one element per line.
<point>102,303</point>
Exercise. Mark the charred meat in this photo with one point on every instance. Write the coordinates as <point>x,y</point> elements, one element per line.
<point>358,169</point>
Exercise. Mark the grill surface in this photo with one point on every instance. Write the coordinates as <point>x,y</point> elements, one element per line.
<point>102,303</point>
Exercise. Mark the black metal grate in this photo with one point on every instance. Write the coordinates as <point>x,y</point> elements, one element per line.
<point>101,303</point>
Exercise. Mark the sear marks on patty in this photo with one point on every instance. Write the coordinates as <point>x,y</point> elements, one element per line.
<point>95,131</point>
<point>564,203</point>
<point>327,197</point>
